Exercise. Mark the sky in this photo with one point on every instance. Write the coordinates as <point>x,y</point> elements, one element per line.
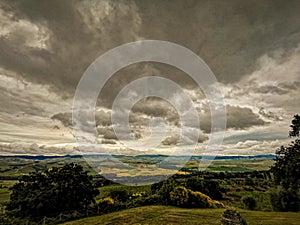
<point>252,47</point>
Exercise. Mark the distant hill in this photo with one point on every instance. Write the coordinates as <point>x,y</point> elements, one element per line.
<point>44,157</point>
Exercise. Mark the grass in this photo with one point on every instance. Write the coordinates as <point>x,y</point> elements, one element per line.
<point>4,195</point>
<point>4,189</point>
<point>262,199</point>
<point>171,215</point>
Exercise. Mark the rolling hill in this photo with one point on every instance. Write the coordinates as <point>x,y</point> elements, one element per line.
<point>163,215</point>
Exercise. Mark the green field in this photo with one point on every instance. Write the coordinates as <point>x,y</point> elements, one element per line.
<point>172,215</point>
<point>14,167</point>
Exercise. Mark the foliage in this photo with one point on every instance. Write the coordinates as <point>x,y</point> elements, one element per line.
<point>262,199</point>
<point>199,200</point>
<point>285,199</point>
<point>154,199</point>
<point>295,125</point>
<point>165,189</point>
<point>106,190</point>
<point>106,201</point>
<point>286,172</point>
<point>184,197</point>
<point>286,169</point>
<point>206,186</point>
<point>105,205</point>
<point>57,190</point>
<point>249,202</point>
<point>180,196</point>
<point>120,195</point>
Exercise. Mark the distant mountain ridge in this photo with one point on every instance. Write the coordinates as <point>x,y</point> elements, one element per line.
<point>44,157</point>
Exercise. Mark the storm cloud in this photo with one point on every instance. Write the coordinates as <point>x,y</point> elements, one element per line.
<point>229,35</point>
<point>252,47</point>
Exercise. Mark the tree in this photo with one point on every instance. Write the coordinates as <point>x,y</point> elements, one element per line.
<point>57,190</point>
<point>284,199</point>
<point>162,190</point>
<point>120,195</point>
<point>295,125</point>
<point>249,202</point>
<point>286,170</point>
<point>211,188</point>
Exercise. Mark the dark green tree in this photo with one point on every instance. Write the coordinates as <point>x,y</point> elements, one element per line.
<point>163,190</point>
<point>211,188</point>
<point>295,125</point>
<point>57,190</point>
<point>249,202</point>
<point>286,170</point>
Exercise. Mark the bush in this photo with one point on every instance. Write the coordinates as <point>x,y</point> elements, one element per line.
<point>105,204</point>
<point>208,187</point>
<point>120,195</point>
<point>249,182</point>
<point>166,187</point>
<point>106,201</point>
<point>199,200</point>
<point>285,200</point>
<point>249,202</point>
<point>180,196</point>
<point>148,200</point>
<point>184,197</point>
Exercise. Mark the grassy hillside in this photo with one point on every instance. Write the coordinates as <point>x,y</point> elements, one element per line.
<point>172,215</point>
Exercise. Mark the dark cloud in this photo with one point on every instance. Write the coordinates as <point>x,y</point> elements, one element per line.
<point>269,114</point>
<point>238,118</point>
<point>228,35</point>
<point>73,45</point>
<point>270,89</point>
<point>103,118</point>
<point>175,139</point>
<point>108,141</point>
<point>242,118</point>
<point>107,132</point>
<point>171,140</point>
<point>290,85</point>
<point>64,118</point>
<point>154,107</point>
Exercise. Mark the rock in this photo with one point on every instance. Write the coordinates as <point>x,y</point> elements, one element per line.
<point>232,217</point>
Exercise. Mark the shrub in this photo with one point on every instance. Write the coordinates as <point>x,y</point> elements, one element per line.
<point>184,197</point>
<point>120,195</point>
<point>106,201</point>
<point>217,204</point>
<point>249,182</point>
<point>208,187</point>
<point>105,205</point>
<point>249,202</point>
<point>200,200</point>
<point>148,200</point>
<point>180,196</point>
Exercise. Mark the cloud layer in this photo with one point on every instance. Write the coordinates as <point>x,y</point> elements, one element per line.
<point>45,46</point>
